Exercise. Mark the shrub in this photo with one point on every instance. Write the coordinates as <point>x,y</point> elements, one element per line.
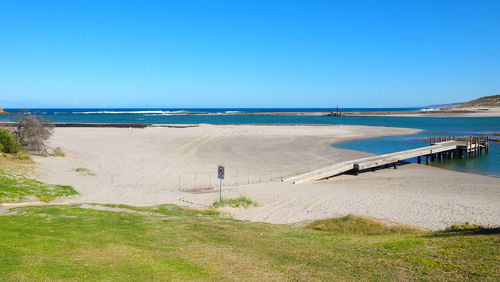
<point>358,225</point>
<point>84,171</point>
<point>8,144</point>
<point>32,132</point>
<point>466,226</point>
<point>58,153</point>
<point>21,157</point>
<point>241,201</point>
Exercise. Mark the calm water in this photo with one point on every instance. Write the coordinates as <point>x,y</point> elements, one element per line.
<point>431,126</point>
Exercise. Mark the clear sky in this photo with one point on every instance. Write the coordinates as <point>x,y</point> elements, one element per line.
<point>247,53</point>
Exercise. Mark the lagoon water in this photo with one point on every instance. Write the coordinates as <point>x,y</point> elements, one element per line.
<point>431,126</point>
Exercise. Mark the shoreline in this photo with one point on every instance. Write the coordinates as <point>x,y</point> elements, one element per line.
<point>488,112</point>
<point>449,112</point>
<point>148,166</point>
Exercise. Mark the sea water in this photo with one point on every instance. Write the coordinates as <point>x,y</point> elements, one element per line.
<point>430,126</point>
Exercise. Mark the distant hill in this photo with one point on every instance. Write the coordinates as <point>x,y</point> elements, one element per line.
<point>443,106</point>
<point>488,101</point>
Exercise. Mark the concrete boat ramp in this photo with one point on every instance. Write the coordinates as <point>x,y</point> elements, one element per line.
<point>440,148</point>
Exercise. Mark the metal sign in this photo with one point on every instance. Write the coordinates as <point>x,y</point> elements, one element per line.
<point>220,172</point>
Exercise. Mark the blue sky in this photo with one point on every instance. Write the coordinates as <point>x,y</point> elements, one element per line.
<point>247,53</point>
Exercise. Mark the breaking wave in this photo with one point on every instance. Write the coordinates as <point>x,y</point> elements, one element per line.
<point>159,112</point>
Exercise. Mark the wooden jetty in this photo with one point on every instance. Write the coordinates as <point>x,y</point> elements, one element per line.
<point>438,149</point>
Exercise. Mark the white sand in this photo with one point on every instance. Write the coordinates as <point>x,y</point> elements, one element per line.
<point>143,168</point>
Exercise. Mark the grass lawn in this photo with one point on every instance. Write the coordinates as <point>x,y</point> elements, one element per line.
<point>170,242</point>
<point>16,188</point>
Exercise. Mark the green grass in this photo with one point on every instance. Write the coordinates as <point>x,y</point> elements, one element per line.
<point>241,201</point>
<point>176,243</point>
<point>352,224</point>
<point>15,188</point>
<point>167,210</point>
<point>59,153</point>
<point>466,226</point>
<point>84,171</point>
<point>21,156</point>
<point>8,144</point>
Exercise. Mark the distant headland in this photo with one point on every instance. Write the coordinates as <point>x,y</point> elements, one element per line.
<point>487,101</point>
<point>2,112</point>
<point>488,106</point>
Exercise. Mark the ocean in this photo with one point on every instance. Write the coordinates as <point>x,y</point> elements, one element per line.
<point>431,126</point>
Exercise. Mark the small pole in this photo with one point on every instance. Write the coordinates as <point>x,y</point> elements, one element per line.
<point>220,191</point>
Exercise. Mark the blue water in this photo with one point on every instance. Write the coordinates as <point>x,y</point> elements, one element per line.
<point>431,126</point>
<point>175,115</point>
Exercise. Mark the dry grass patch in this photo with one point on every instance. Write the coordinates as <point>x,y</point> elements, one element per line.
<point>16,162</point>
<point>353,224</point>
<point>84,171</point>
<point>241,201</point>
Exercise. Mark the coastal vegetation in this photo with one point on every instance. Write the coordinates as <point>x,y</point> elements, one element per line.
<point>487,101</point>
<point>8,144</point>
<point>241,201</point>
<point>170,242</point>
<point>32,132</point>
<point>84,171</point>
<point>22,156</point>
<point>58,153</point>
<point>15,188</point>
<point>29,135</point>
<point>358,225</point>
<point>175,243</point>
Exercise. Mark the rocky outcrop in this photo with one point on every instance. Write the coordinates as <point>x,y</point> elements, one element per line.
<point>2,112</point>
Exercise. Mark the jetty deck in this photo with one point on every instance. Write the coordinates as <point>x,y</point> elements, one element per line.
<point>439,148</point>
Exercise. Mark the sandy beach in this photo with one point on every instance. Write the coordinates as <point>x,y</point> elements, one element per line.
<point>157,165</point>
<point>450,112</point>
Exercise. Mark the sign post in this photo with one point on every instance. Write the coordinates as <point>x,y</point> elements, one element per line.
<point>220,175</point>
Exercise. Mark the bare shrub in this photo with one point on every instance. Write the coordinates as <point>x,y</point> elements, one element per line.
<point>32,132</point>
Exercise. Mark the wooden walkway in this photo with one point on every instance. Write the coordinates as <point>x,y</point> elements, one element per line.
<point>439,148</point>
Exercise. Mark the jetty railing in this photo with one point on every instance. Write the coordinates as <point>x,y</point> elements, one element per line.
<point>471,146</point>
<point>440,148</point>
